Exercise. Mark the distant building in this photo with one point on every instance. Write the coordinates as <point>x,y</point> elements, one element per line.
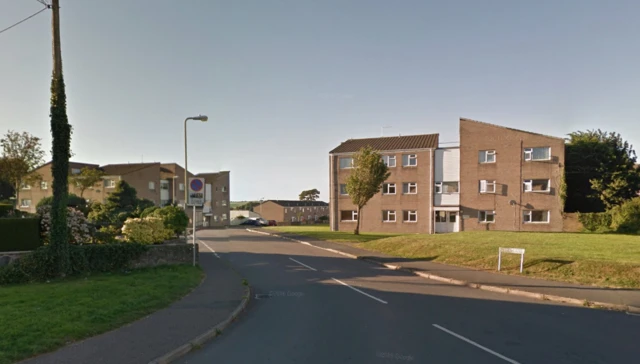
<point>288,211</point>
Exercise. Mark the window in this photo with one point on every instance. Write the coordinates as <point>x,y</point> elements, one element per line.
<point>25,202</point>
<point>25,186</point>
<point>537,185</point>
<point>343,189</point>
<point>388,216</point>
<point>389,160</point>
<point>447,187</point>
<point>224,189</point>
<point>487,186</point>
<point>181,187</point>
<point>346,163</point>
<point>410,188</point>
<point>164,185</point>
<point>309,218</point>
<point>215,218</point>
<point>487,216</point>
<point>537,154</point>
<point>389,189</point>
<point>409,160</point>
<point>536,216</point>
<point>348,215</point>
<point>285,211</point>
<point>224,217</point>
<point>293,219</point>
<point>315,208</point>
<point>152,185</point>
<point>224,202</point>
<point>487,156</point>
<point>44,185</point>
<point>216,188</point>
<point>409,216</point>
<point>109,183</point>
<point>75,170</point>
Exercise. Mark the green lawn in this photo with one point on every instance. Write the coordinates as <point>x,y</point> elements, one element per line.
<point>323,233</point>
<point>610,260</point>
<point>38,318</point>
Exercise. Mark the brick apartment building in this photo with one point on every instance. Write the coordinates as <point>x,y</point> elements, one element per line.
<point>161,183</point>
<point>288,211</point>
<point>497,179</point>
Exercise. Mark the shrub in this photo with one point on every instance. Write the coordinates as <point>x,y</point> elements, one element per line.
<point>148,211</point>
<point>149,230</point>
<point>240,217</point>
<point>595,221</point>
<point>79,229</point>
<point>74,201</point>
<point>323,218</point>
<point>174,218</point>
<point>39,264</point>
<point>625,218</point>
<point>17,234</point>
<point>5,209</point>
<point>106,235</point>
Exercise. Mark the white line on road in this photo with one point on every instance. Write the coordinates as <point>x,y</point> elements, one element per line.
<point>313,269</point>
<point>359,291</point>
<point>476,344</point>
<point>208,247</point>
<point>633,314</point>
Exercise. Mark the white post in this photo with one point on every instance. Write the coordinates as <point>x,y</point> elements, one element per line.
<point>499,258</point>
<point>194,235</point>
<point>521,261</point>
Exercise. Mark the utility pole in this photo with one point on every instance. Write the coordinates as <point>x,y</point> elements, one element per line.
<point>55,27</point>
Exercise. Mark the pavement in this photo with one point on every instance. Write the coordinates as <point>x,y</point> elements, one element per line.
<point>618,298</point>
<point>211,303</point>
<point>316,306</point>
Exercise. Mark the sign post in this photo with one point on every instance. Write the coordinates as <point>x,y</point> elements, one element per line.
<point>196,198</point>
<point>512,251</point>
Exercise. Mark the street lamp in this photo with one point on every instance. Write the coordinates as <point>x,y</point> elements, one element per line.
<point>202,118</point>
<point>261,201</point>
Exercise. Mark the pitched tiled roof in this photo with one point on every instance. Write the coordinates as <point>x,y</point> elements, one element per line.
<point>122,169</point>
<point>296,203</point>
<point>422,141</point>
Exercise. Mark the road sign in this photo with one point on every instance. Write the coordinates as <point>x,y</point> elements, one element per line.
<point>512,251</point>
<point>196,192</point>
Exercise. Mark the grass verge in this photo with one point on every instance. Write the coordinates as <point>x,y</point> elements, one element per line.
<point>38,318</point>
<point>324,233</point>
<point>608,260</point>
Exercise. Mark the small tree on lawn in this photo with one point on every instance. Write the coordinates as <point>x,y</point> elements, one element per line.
<point>87,178</point>
<point>366,178</point>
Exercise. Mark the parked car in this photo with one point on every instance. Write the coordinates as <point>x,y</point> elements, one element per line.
<point>251,222</point>
<point>273,223</point>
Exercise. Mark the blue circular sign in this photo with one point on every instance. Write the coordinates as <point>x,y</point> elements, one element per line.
<point>196,185</point>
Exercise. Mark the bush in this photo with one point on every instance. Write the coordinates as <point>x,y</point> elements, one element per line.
<point>625,218</point>
<point>106,235</point>
<point>148,211</point>
<point>240,217</point>
<point>5,209</point>
<point>149,230</point>
<point>74,201</point>
<point>39,264</point>
<point>18,234</point>
<point>79,229</point>
<point>595,221</point>
<point>324,218</point>
<point>174,218</point>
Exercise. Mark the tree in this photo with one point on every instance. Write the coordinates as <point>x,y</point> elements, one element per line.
<point>174,218</point>
<point>21,154</point>
<point>87,178</point>
<point>366,178</point>
<point>599,172</point>
<point>309,195</point>
<point>124,197</point>
<point>246,206</point>
<point>74,201</point>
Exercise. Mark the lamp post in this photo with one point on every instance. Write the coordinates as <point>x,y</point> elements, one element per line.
<point>261,201</point>
<point>202,118</point>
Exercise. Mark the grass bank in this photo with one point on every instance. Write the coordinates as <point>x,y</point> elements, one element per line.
<point>324,233</point>
<point>38,318</point>
<point>609,260</point>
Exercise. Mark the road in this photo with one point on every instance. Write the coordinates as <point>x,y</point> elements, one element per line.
<point>326,308</point>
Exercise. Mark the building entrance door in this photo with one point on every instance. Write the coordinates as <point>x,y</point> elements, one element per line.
<point>447,221</point>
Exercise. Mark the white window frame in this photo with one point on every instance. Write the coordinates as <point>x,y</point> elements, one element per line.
<point>387,215</point>
<point>22,204</point>
<point>224,202</point>
<point>110,183</point>
<point>410,213</point>
<point>76,170</point>
<point>152,185</point>
<point>285,210</point>
<point>409,184</point>
<point>389,160</point>
<point>439,187</point>
<point>293,219</point>
<point>483,158</point>
<point>224,189</point>
<point>25,186</point>
<point>410,158</point>
<point>343,193</point>
<point>354,216</point>
<point>389,187</point>
<point>528,154</point>
<point>215,218</point>
<point>340,163</point>
<point>181,187</point>
<point>44,185</point>
<point>224,217</point>
<point>486,213</point>
<point>527,214</point>
<point>528,185</point>
<point>484,186</point>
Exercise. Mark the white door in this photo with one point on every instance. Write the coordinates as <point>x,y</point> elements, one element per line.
<point>447,222</point>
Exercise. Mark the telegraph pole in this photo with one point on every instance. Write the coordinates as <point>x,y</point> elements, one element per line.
<point>55,28</point>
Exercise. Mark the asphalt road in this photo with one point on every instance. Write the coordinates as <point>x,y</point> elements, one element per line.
<point>326,308</point>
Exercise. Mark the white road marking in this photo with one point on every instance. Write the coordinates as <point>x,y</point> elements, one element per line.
<point>359,291</point>
<point>208,247</point>
<point>313,269</point>
<point>476,344</point>
<point>633,314</point>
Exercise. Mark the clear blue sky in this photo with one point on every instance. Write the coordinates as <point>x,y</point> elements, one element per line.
<point>283,82</point>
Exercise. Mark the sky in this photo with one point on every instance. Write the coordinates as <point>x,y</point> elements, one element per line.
<point>285,81</point>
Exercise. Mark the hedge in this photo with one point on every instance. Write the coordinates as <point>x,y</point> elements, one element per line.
<point>5,209</point>
<point>595,221</point>
<point>19,234</point>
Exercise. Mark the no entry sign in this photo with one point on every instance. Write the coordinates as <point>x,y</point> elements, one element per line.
<point>196,192</point>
